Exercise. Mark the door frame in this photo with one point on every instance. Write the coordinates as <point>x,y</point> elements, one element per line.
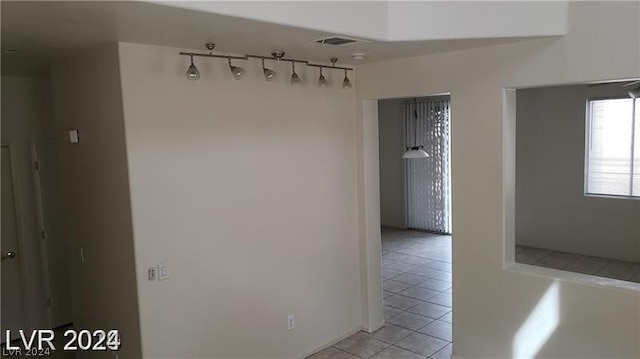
<point>44,262</point>
<point>368,176</point>
<point>26,300</point>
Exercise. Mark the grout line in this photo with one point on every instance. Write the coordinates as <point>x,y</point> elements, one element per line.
<point>335,347</point>
<point>410,286</point>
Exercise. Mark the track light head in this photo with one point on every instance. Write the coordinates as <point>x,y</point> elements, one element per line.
<point>346,83</point>
<point>322,81</point>
<point>192,71</point>
<point>295,79</point>
<point>237,72</point>
<point>269,74</point>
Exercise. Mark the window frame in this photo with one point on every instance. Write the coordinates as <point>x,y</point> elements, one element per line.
<point>588,146</point>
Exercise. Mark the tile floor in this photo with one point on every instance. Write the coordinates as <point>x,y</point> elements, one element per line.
<point>416,272</point>
<point>602,267</point>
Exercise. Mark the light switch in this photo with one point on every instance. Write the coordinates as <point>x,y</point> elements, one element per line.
<point>163,272</point>
<point>74,136</point>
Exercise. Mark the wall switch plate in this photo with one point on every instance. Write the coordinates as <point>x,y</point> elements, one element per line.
<point>163,271</point>
<point>74,136</point>
<point>152,273</point>
<point>291,322</point>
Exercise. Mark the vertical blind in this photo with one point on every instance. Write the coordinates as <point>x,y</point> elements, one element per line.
<point>428,187</point>
<point>613,152</point>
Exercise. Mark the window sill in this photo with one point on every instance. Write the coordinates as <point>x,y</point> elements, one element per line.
<point>610,196</point>
<point>573,277</point>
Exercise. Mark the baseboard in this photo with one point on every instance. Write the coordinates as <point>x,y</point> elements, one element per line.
<point>330,343</point>
<point>403,228</point>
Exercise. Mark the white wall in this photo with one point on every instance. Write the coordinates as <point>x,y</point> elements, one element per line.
<point>494,304</point>
<point>247,191</point>
<point>27,116</point>
<point>361,19</point>
<point>391,128</point>
<point>87,96</point>
<point>403,20</point>
<point>442,20</point>
<point>552,211</point>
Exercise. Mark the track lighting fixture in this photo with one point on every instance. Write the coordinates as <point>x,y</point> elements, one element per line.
<point>346,83</point>
<point>322,81</point>
<point>237,72</point>
<point>295,79</point>
<point>192,71</point>
<point>268,73</point>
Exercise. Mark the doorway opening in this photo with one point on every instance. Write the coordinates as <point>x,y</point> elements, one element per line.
<point>414,315</point>
<point>14,311</point>
<point>37,279</point>
<point>415,218</point>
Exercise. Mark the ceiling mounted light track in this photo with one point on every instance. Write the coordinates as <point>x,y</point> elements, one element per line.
<point>238,72</point>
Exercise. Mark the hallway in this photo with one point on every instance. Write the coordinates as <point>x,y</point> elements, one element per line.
<point>416,271</point>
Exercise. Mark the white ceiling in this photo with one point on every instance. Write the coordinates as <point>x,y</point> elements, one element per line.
<point>38,30</point>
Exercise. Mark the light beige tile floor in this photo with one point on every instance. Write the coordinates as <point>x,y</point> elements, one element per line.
<point>416,272</point>
<point>602,267</point>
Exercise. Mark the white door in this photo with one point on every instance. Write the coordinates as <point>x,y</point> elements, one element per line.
<point>13,315</point>
<point>55,247</point>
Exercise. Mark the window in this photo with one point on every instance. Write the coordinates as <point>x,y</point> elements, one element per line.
<point>613,147</point>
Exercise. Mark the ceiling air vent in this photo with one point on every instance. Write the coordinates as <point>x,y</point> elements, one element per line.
<point>337,40</point>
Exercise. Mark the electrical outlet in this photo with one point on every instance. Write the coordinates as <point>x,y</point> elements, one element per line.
<point>152,273</point>
<point>291,322</point>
